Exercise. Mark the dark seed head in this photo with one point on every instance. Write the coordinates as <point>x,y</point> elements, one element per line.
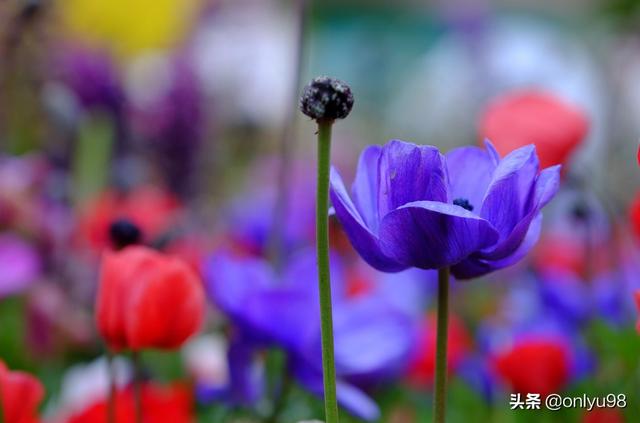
<point>123,233</point>
<point>464,203</point>
<point>326,99</point>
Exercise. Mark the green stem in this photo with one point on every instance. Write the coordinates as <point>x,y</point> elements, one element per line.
<point>322,243</point>
<point>137,386</point>
<point>111,404</point>
<point>440,387</point>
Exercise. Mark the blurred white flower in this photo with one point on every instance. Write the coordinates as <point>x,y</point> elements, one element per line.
<point>206,360</point>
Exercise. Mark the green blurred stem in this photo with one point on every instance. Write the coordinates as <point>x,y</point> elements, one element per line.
<point>322,243</point>
<point>111,404</point>
<point>440,387</point>
<point>137,385</point>
<point>92,156</point>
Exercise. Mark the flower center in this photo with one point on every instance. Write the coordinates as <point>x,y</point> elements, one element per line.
<point>464,203</point>
<point>124,233</point>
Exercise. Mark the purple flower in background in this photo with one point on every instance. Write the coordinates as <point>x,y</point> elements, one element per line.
<point>20,265</point>
<point>411,206</point>
<point>373,337</point>
<point>166,99</point>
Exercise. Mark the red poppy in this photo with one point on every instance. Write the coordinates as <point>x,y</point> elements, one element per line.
<point>153,210</point>
<point>147,299</point>
<point>422,366</point>
<point>539,366</point>
<point>159,405</point>
<point>20,394</point>
<point>530,117</point>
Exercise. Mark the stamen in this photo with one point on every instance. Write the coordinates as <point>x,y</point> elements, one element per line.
<point>464,203</point>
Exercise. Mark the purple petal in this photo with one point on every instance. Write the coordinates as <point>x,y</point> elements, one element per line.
<point>431,235</point>
<point>470,171</point>
<point>409,173</point>
<point>507,197</point>
<point>365,186</point>
<point>372,340</point>
<point>476,266</point>
<point>363,240</point>
<point>546,186</point>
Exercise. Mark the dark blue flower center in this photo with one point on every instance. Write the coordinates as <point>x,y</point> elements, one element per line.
<point>464,203</point>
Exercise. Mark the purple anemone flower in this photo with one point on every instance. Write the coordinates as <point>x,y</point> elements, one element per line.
<point>373,337</point>
<point>412,206</point>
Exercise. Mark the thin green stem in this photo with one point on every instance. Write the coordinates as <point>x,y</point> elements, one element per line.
<point>111,404</point>
<point>440,386</point>
<point>137,386</point>
<point>324,282</point>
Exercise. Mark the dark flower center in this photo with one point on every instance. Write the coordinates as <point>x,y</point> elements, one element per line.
<point>464,203</point>
<point>123,232</point>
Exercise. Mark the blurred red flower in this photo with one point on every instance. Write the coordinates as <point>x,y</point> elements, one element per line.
<point>530,117</point>
<point>634,215</point>
<point>603,415</point>
<point>159,404</point>
<point>422,366</point>
<point>153,210</point>
<point>147,299</point>
<point>20,394</point>
<point>540,366</point>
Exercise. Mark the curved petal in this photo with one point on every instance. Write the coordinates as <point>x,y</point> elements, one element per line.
<point>470,172</point>
<point>365,186</point>
<point>363,240</point>
<point>546,185</point>
<point>508,195</point>
<point>409,173</point>
<point>476,266</point>
<point>431,235</point>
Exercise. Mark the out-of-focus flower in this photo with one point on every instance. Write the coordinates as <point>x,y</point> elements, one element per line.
<point>166,101</point>
<point>414,207</point>
<point>634,215</point>
<point>271,310</point>
<point>147,299</point>
<point>603,415</point>
<point>251,216</point>
<point>117,24</point>
<point>20,263</point>
<point>535,365</point>
<point>85,385</point>
<point>521,118</point>
<point>422,367</point>
<point>93,79</point>
<point>170,404</point>
<point>20,395</point>
<point>153,210</point>
<point>206,360</point>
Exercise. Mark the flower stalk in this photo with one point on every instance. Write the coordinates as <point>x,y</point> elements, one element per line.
<point>440,383</point>
<point>325,99</point>
<point>324,282</point>
<point>137,386</point>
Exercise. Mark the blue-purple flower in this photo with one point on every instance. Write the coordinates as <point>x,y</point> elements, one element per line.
<point>411,206</point>
<point>373,337</point>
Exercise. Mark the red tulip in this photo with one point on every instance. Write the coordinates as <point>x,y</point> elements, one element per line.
<point>147,299</point>
<point>531,117</point>
<point>150,208</point>
<point>20,394</point>
<point>539,366</point>
<point>160,405</point>
<point>422,366</point>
